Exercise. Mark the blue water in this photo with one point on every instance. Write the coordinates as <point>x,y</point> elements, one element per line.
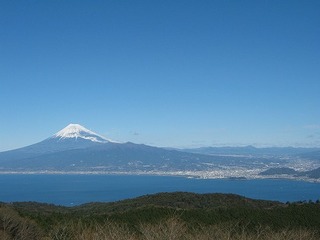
<point>72,190</point>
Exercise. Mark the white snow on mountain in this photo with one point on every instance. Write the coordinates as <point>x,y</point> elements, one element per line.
<point>77,131</point>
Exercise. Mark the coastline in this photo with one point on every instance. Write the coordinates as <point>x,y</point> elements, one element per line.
<point>186,174</point>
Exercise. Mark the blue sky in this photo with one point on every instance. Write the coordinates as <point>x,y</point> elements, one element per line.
<point>164,73</point>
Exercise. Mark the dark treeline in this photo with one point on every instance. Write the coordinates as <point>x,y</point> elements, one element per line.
<point>164,216</point>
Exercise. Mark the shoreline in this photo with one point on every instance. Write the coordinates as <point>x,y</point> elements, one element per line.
<point>187,174</point>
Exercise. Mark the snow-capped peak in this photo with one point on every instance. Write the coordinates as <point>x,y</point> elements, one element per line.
<point>78,131</point>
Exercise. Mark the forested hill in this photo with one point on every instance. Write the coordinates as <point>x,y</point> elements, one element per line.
<point>187,215</point>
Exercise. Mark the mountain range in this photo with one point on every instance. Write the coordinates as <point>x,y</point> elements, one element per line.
<point>251,150</point>
<point>75,149</point>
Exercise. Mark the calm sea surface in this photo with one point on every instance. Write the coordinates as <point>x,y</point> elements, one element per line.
<point>72,190</point>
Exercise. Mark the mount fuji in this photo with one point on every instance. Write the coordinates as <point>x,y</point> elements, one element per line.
<point>77,149</point>
<point>73,136</point>
<point>75,131</point>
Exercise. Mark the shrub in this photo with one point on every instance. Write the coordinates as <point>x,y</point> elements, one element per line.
<point>13,226</point>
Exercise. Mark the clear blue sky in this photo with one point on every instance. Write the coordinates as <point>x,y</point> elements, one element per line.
<point>165,73</point>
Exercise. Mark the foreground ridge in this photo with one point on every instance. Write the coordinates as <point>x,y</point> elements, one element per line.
<point>177,215</point>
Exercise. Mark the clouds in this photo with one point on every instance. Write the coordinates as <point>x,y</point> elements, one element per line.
<point>312,127</point>
<point>312,132</point>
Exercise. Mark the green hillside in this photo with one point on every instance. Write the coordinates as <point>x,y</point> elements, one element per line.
<point>176,215</point>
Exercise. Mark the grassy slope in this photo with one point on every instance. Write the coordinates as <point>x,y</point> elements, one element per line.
<point>193,211</point>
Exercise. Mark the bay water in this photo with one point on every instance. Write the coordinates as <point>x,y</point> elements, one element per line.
<point>70,190</point>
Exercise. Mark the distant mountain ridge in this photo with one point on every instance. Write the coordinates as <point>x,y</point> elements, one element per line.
<point>251,150</point>
<point>75,149</point>
<point>313,174</point>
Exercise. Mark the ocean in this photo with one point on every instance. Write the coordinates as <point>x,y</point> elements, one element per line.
<point>71,190</point>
